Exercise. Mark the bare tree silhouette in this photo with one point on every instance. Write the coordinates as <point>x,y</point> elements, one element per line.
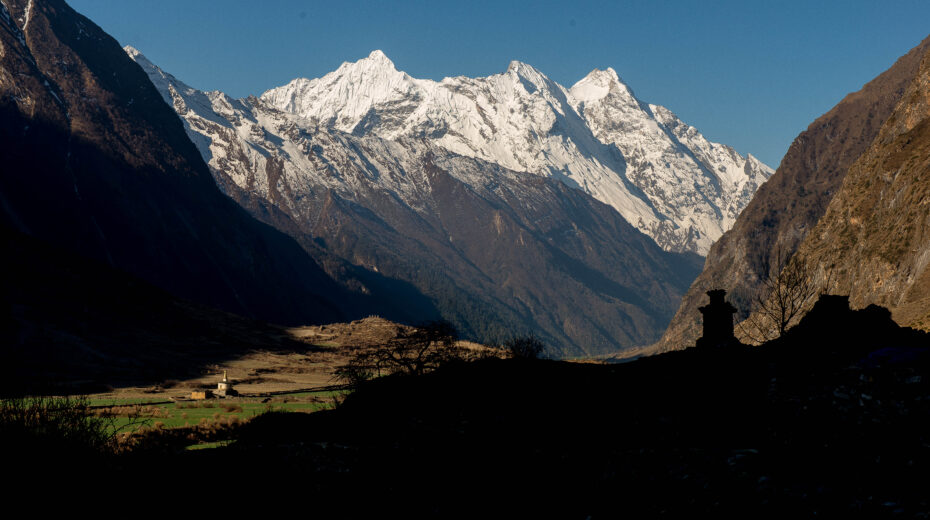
<point>411,352</point>
<point>783,298</point>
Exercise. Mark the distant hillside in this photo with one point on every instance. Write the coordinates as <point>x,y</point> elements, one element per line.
<point>873,242</point>
<point>792,201</point>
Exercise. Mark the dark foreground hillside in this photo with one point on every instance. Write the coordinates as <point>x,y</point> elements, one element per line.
<point>830,420</point>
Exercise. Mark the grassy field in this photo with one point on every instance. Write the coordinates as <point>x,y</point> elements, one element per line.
<point>113,401</point>
<point>208,445</point>
<point>128,422</point>
<point>130,415</point>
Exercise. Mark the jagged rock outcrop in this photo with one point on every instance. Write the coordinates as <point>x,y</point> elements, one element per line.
<point>790,204</point>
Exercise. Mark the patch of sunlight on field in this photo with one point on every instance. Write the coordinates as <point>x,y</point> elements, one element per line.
<point>208,445</point>
<point>130,415</point>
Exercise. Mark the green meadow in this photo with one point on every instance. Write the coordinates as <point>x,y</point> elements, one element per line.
<point>128,415</point>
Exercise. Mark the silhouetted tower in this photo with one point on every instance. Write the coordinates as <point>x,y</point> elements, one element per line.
<point>718,321</point>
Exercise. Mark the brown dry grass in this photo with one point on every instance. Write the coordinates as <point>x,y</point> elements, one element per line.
<point>328,347</point>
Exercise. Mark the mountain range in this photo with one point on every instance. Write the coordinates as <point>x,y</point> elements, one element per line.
<point>510,201</point>
<point>507,204</point>
<point>661,174</point>
<point>150,230</point>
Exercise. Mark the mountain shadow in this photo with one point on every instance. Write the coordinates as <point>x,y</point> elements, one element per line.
<point>71,325</point>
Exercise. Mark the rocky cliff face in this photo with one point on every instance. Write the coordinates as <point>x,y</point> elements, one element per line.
<point>499,251</point>
<point>790,204</point>
<point>94,162</point>
<point>873,241</point>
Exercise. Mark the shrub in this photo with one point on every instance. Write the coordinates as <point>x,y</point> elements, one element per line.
<point>50,423</point>
<point>524,347</point>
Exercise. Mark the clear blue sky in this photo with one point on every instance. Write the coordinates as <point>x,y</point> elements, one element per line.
<point>749,74</point>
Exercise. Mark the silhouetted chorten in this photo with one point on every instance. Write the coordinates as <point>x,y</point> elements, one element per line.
<point>718,321</point>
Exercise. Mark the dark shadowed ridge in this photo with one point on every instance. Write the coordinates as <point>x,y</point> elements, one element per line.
<point>95,162</point>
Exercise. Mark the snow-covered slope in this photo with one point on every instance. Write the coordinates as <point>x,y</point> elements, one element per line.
<point>291,161</point>
<point>662,175</point>
<point>699,185</point>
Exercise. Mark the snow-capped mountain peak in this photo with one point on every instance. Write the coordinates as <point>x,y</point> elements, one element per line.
<point>374,68</point>
<point>379,56</point>
<point>596,85</point>
<point>661,174</point>
<point>342,98</point>
<point>527,72</point>
<point>134,53</point>
<point>599,84</point>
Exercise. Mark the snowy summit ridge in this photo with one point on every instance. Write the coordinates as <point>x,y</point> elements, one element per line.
<point>659,173</point>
